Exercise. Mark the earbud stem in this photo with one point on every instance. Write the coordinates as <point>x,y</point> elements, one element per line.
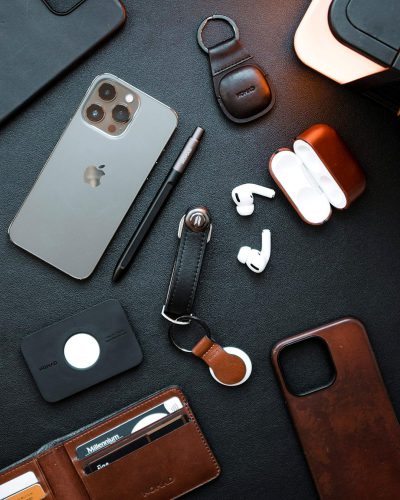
<point>261,190</point>
<point>266,243</point>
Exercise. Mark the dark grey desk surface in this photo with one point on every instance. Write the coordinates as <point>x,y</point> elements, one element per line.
<point>350,266</point>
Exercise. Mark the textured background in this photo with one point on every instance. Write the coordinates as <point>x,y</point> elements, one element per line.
<point>349,266</point>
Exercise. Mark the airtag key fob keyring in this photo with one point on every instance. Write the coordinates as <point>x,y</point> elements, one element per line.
<point>241,86</point>
<point>230,365</point>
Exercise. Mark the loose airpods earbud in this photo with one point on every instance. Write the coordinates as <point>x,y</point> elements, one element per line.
<point>243,197</point>
<point>257,260</point>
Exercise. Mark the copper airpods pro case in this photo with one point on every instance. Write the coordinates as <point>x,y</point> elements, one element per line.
<point>319,173</point>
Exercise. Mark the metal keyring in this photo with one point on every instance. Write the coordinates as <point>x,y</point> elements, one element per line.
<point>172,320</point>
<point>212,18</point>
<point>185,320</point>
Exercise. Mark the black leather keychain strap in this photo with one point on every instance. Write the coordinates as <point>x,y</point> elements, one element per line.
<point>194,234</point>
<point>226,56</point>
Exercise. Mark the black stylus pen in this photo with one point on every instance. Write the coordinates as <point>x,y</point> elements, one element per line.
<point>161,197</point>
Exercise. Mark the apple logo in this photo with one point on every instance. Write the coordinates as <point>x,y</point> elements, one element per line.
<point>93,175</point>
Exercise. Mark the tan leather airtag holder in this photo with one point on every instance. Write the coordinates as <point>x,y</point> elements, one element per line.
<point>228,369</point>
<point>228,365</point>
<point>241,86</point>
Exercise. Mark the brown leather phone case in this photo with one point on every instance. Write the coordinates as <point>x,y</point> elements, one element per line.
<point>165,468</point>
<point>348,430</point>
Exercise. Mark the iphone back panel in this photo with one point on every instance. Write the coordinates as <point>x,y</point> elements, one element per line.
<point>93,176</point>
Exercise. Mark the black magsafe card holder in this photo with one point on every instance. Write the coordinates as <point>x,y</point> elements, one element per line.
<point>44,350</point>
<point>40,39</point>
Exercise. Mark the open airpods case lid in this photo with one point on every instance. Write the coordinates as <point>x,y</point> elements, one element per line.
<point>319,173</point>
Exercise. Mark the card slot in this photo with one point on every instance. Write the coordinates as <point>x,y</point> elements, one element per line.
<point>169,466</point>
<point>135,436</point>
<point>29,466</point>
<point>110,423</point>
<point>134,444</point>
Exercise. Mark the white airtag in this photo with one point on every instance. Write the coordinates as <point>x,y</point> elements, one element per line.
<point>148,420</point>
<point>244,357</point>
<point>81,351</point>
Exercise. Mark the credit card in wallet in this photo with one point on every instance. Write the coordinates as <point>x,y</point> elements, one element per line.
<point>34,492</point>
<point>124,450</point>
<point>125,429</point>
<point>17,484</point>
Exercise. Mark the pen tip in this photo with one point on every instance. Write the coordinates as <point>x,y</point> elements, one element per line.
<point>117,274</point>
<point>198,133</point>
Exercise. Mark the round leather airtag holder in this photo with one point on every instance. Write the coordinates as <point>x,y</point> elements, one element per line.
<point>194,233</point>
<point>228,365</point>
<point>240,85</point>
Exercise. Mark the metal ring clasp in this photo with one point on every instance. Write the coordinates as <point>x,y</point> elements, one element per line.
<point>188,319</point>
<point>175,321</point>
<point>202,26</point>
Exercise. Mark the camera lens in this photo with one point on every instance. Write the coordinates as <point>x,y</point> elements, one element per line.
<point>107,92</point>
<point>95,113</point>
<point>121,113</point>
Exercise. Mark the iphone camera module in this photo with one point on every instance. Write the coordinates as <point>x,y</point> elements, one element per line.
<point>110,107</point>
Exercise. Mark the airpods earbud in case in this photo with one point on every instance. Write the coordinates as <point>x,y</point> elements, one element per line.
<point>319,173</point>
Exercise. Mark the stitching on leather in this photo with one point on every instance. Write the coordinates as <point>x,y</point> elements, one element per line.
<point>209,350</point>
<point>171,301</point>
<point>203,439</point>
<point>34,461</point>
<point>220,70</point>
<point>45,480</point>
<point>48,452</point>
<point>197,272</point>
